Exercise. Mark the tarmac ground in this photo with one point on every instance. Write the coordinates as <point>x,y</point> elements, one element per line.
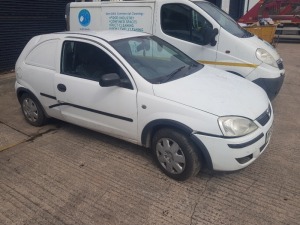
<point>65,174</point>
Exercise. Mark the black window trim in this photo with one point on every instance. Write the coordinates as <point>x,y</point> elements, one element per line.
<point>71,38</point>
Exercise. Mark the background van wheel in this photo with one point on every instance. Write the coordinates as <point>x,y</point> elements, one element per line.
<point>175,154</point>
<point>32,110</point>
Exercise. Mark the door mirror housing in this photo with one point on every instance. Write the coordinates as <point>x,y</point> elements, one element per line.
<point>210,36</point>
<point>109,80</point>
<point>214,33</point>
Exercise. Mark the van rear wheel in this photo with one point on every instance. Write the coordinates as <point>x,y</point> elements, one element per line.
<point>175,154</point>
<point>32,110</point>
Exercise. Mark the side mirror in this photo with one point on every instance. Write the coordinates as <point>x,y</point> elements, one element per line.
<point>110,79</point>
<point>210,35</point>
<point>214,33</point>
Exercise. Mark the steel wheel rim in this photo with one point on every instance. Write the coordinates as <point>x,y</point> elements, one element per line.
<point>30,110</point>
<point>170,156</point>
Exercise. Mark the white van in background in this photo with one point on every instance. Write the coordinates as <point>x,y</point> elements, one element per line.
<point>198,28</point>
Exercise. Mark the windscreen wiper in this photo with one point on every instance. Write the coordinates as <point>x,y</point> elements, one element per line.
<point>171,75</point>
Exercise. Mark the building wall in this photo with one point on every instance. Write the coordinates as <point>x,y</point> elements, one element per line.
<point>249,4</point>
<point>225,5</point>
<point>23,19</point>
<point>216,2</point>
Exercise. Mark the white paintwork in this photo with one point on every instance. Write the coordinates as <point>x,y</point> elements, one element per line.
<point>196,101</point>
<point>221,87</point>
<point>244,52</point>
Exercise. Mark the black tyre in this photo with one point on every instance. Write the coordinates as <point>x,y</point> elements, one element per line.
<point>32,110</point>
<point>175,154</point>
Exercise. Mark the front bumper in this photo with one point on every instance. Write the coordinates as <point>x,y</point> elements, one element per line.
<point>229,154</point>
<point>269,78</point>
<point>271,86</point>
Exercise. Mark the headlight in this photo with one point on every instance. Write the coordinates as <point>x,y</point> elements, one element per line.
<point>233,126</point>
<point>265,57</point>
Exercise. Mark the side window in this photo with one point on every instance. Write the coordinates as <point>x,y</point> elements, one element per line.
<point>86,61</point>
<point>201,29</point>
<point>175,21</point>
<point>43,55</point>
<point>182,22</point>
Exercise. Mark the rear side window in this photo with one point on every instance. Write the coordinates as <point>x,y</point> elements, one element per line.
<point>43,55</point>
<point>182,22</point>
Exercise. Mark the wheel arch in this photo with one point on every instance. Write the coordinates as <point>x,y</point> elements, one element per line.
<point>150,129</point>
<point>21,90</point>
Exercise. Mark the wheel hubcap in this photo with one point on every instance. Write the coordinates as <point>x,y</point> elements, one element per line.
<point>30,110</point>
<point>170,156</point>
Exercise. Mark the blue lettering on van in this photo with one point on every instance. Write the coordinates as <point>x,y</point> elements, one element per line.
<point>84,17</point>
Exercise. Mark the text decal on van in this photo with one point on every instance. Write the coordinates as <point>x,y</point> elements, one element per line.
<point>127,19</point>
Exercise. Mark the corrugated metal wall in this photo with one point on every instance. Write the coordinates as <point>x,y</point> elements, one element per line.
<point>22,19</point>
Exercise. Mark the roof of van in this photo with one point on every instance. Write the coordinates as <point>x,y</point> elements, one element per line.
<point>87,4</point>
<point>108,35</point>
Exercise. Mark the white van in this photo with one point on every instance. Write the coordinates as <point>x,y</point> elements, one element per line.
<point>198,28</point>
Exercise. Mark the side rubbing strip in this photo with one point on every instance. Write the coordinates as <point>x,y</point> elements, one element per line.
<point>93,110</point>
<point>246,144</point>
<point>228,64</point>
<point>48,96</point>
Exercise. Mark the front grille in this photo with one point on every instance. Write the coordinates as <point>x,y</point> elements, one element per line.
<point>280,64</point>
<point>265,116</point>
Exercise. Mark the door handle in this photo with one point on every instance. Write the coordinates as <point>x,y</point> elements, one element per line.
<point>61,87</point>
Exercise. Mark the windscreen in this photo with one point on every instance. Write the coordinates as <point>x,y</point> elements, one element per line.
<point>156,60</point>
<point>225,21</point>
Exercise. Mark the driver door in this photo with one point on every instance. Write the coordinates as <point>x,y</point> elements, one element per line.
<point>84,102</point>
<point>188,30</point>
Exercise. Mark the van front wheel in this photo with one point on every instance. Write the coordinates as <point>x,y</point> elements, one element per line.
<point>175,154</point>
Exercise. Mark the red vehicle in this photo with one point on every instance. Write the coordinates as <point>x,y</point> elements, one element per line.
<point>286,13</point>
<point>282,11</point>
